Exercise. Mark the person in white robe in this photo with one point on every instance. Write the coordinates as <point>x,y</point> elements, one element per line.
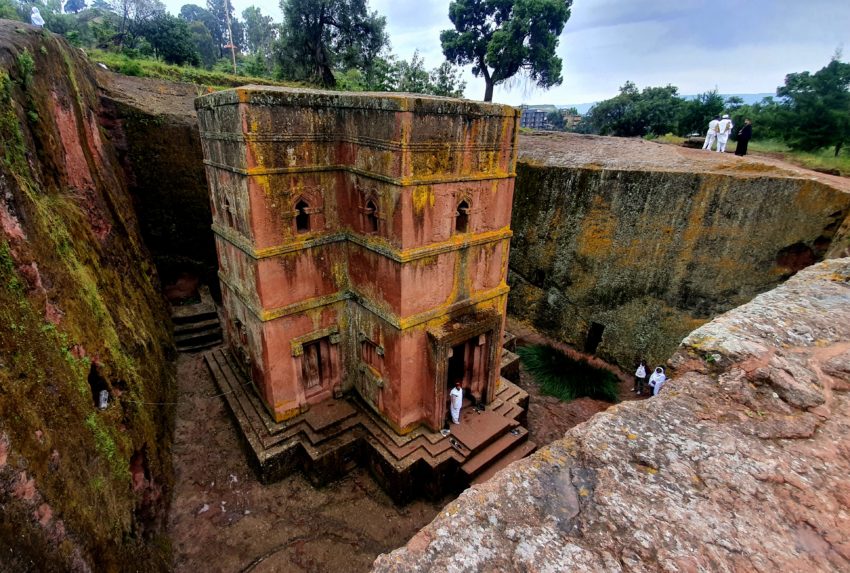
<point>711,134</point>
<point>35,18</point>
<point>724,128</point>
<point>656,381</point>
<point>456,402</point>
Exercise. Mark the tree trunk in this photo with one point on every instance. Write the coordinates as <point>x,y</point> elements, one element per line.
<point>488,91</point>
<point>838,147</point>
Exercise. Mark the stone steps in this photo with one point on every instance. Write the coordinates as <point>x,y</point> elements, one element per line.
<point>196,326</point>
<point>484,458</point>
<point>521,451</point>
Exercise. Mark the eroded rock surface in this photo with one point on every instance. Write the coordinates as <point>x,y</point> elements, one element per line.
<point>740,464</point>
<point>649,241</point>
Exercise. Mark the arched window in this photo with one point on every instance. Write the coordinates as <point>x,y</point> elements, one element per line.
<point>462,217</point>
<point>371,213</point>
<point>302,217</point>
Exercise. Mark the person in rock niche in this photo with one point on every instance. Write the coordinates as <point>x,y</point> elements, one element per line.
<point>656,381</point>
<point>456,402</point>
<point>640,378</point>
<point>744,138</point>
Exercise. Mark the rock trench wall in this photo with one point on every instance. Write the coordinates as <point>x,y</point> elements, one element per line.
<point>740,464</point>
<point>651,254</point>
<point>81,489</point>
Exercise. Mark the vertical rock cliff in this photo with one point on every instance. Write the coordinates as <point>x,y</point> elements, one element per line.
<point>624,246</point>
<point>81,488</point>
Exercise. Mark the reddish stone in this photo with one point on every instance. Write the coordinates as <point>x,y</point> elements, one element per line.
<point>362,244</point>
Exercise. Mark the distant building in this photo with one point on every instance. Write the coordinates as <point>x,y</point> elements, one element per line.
<point>537,117</point>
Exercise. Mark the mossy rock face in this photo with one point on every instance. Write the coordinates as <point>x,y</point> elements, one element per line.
<point>650,255</point>
<point>80,311</point>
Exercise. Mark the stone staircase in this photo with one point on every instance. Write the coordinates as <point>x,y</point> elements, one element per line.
<point>196,326</point>
<point>332,437</point>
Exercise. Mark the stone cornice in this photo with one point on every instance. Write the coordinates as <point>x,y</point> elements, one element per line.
<point>456,243</point>
<point>400,181</point>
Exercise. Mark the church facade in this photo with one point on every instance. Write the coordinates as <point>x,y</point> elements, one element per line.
<point>363,245</point>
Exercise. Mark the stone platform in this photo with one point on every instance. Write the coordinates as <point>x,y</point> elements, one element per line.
<point>334,436</point>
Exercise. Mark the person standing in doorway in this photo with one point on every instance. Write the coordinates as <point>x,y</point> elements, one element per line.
<point>711,134</point>
<point>456,402</point>
<point>724,128</point>
<point>744,138</point>
<point>640,378</point>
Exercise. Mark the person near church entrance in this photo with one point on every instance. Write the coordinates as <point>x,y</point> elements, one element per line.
<point>456,402</point>
<point>724,129</point>
<point>640,378</point>
<point>711,134</point>
<point>744,138</point>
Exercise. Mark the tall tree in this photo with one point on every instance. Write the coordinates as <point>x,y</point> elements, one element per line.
<point>446,81</point>
<point>412,77</point>
<point>817,107</point>
<point>204,43</point>
<point>502,38</point>
<point>170,39</point>
<point>259,37</point>
<point>654,111</point>
<point>319,36</point>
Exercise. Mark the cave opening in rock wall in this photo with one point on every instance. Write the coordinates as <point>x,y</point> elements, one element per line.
<point>594,337</point>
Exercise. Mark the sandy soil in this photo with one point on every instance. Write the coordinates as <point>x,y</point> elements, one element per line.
<point>224,520</point>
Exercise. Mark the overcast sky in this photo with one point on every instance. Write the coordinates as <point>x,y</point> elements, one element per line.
<point>742,46</point>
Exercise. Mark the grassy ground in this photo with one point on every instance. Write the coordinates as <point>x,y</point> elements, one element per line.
<point>154,69</point>
<point>566,378</point>
<point>822,160</point>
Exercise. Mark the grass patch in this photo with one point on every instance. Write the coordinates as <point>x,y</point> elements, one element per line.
<point>666,138</point>
<point>149,68</point>
<point>821,160</point>
<point>567,378</point>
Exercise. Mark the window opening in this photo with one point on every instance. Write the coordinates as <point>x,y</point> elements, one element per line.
<point>371,217</point>
<point>302,217</point>
<point>462,217</point>
<point>371,354</point>
<point>228,214</point>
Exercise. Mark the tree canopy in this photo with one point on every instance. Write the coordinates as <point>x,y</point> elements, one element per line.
<point>816,111</point>
<point>503,38</point>
<point>653,111</point>
<point>319,36</point>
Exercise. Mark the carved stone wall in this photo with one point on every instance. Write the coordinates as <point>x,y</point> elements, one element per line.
<point>377,221</point>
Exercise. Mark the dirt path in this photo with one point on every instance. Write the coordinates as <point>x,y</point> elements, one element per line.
<point>224,520</point>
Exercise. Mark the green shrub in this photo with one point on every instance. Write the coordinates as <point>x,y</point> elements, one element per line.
<point>26,64</point>
<point>567,378</point>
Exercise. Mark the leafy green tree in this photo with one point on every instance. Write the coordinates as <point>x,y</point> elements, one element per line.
<point>8,11</point>
<point>696,113</point>
<point>412,77</point>
<point>222,13</point>
<point>817,108</point>
<point>556,120</point>
<point>502,38</point>
<point>170,39</point>
<point>654,111</point>
<point>204,44</point>
<point>259,37</point>
<point>445,80</point>
<point>319,36</point>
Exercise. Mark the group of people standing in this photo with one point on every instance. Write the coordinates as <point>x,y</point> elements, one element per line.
<point>719,130</point>
<point>656,380</point>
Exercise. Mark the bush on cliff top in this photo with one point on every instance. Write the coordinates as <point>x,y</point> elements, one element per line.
<point>567,378</point>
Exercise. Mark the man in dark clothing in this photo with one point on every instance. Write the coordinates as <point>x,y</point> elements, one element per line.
<point>744,138</point>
